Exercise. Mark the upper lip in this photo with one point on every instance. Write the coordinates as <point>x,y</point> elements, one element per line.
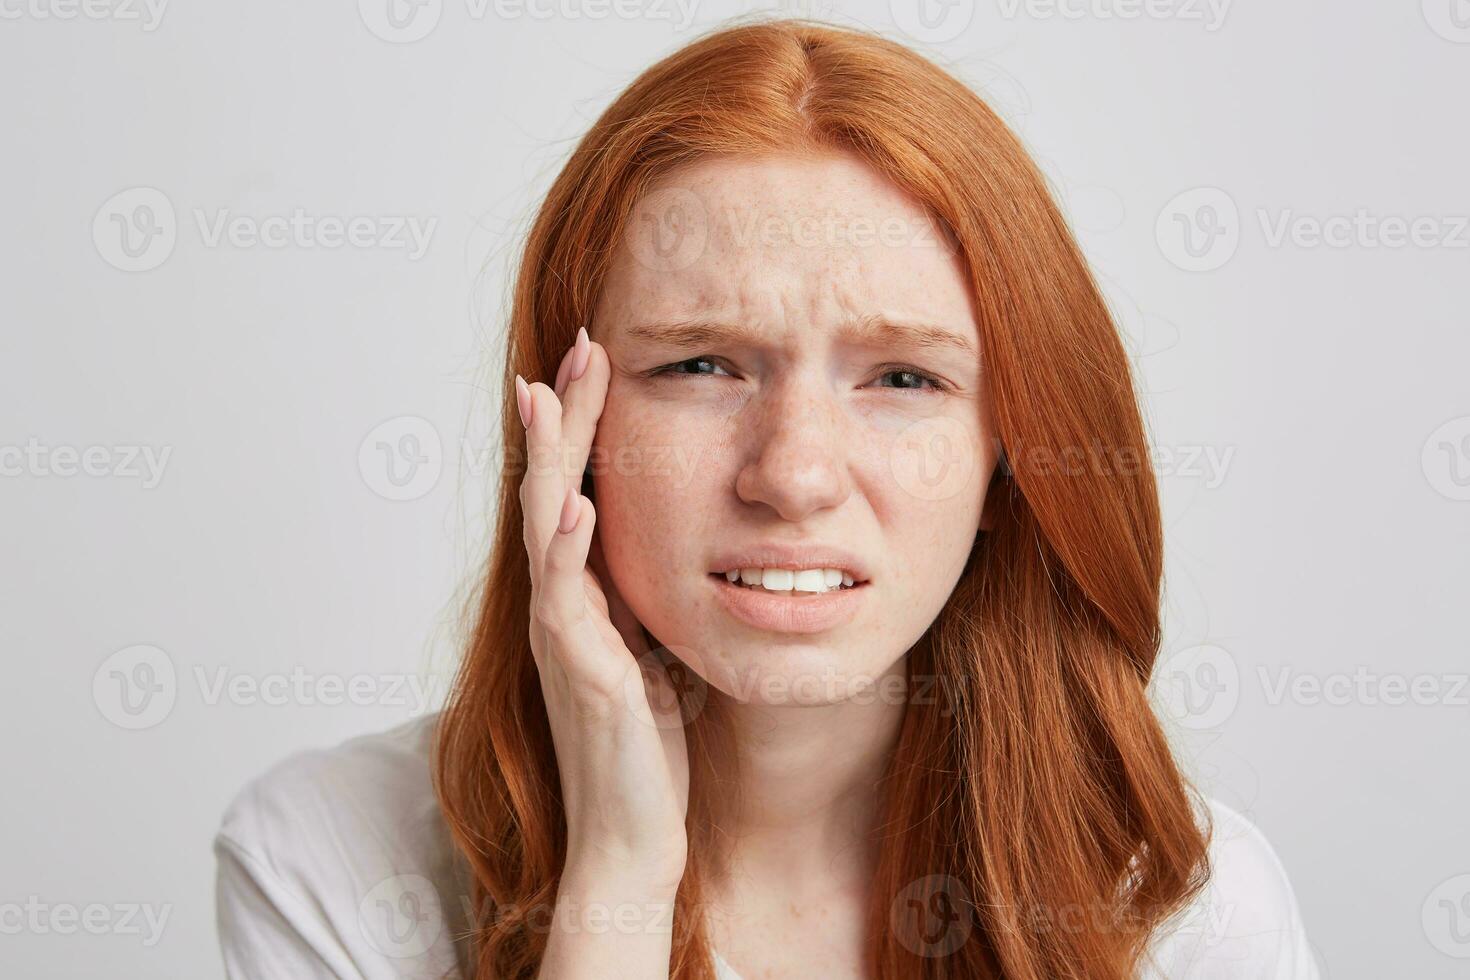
<point>791,556</point>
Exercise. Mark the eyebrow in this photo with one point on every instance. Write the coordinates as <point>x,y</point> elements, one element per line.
<point>876,330</point>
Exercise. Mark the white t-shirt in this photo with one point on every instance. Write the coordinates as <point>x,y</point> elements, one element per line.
<point>336,863</point>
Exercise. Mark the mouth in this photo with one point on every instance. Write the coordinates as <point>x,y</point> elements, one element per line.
<point>815,608</point>
<point>796,583</point>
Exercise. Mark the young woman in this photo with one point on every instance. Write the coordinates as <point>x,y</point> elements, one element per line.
<point>823,597</point>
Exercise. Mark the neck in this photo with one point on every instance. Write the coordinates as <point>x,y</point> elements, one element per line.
<point>807,803</point>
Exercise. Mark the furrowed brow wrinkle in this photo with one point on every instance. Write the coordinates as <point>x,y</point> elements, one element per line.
<point>694,333</point>
<point>880,329</point>
<point>872,329</point>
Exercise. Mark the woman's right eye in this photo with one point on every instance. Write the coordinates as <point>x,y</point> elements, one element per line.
<point>699,365</point>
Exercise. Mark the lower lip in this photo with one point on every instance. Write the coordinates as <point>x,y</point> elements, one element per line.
<point>810,612</point>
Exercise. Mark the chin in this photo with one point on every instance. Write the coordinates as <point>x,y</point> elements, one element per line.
<point>789,672</point>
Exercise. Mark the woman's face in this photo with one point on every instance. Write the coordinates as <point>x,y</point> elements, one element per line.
<point>760,414</point>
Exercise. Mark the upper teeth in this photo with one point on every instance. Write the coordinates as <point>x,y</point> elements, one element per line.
<point>788,580</point>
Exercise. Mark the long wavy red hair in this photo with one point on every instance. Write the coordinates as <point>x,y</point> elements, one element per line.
<point>1037,790</point>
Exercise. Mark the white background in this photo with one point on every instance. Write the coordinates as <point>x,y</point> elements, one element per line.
<point>1309,401</point>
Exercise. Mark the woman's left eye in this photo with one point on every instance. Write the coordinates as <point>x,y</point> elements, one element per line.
<point>910,378</point>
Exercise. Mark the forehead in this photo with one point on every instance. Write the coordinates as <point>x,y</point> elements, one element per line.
<point>781,242</point>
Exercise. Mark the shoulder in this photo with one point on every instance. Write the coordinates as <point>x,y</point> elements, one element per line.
<point>341,856</point>
<point>363,787</point>
<point>1245,922</point>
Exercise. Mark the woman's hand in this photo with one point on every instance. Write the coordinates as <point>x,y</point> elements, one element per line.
<point>614,717</point>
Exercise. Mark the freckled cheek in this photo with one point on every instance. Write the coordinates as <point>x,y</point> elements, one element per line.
<point>936,464</point>
<point>662,448</point>
<point>659,480</point>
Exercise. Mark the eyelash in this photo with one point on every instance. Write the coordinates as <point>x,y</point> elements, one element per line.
<point>884,370</point>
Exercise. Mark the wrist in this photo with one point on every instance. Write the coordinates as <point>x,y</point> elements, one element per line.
<point>609,918</point>
<point>636,878</point>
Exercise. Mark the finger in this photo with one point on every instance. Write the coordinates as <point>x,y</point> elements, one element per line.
<point>561,373</point>
<point>544,485</point>
<point>584,399</point>
<point>561,607</point>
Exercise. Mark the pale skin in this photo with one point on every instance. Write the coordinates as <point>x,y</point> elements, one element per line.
<point>793,428</point>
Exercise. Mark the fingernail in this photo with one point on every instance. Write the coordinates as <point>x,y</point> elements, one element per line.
<point>583,352</point>
<point>523,401</point>
<point>569,511</point>
<point>561,373</point>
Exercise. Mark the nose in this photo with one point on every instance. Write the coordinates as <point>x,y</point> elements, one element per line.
<point>800,449</point>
